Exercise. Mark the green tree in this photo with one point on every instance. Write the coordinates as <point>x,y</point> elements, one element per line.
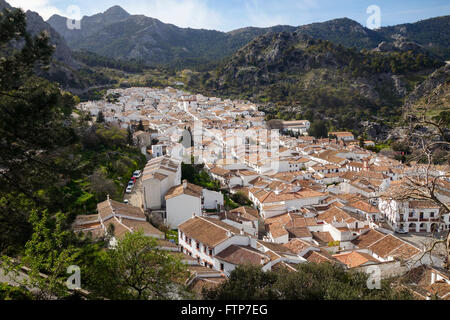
<point>318,129</point>
<point>35,121</point>
<point>13,293</point>
<point>246,282</point>
<point>140,126</point>
<point>100,117</point>
<point>241,198</point>
<point>325,281</point>
<point>50,251</point>
<point>136,269</point>
<point>129,136</point>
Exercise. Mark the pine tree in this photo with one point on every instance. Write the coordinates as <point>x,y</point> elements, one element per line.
<point>140,126</point>
<point>100,117</point>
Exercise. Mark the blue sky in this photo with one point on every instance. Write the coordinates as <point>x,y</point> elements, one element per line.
<point>226,15</point>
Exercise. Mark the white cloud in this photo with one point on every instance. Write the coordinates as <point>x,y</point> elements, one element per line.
<point>43,7</point>
<point>182,13</point>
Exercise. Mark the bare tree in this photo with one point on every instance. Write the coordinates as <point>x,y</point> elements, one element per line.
<point>423,176</point>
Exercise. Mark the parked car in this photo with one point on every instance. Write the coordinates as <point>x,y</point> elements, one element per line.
<point>131,183</point>
<point>126,201</point>
<point>401,231</point>
<point>129,189</point>
<point>137,174</point>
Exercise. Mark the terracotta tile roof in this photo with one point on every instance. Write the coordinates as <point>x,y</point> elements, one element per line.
<point>317,257</point>
<point>367,239</point>
<point>335,214</point>
<point>200,284</point>
<point>190,189</point>
<point>299,232</point>
<point>422,204</point>
<point>219,171</point>
<point>355,259</point>
<point>391,246</point>
<point>242,255</point>
<point>111,207</point>
<point>143,226</point>
<point>298,245</point>
<point>323,237</point>
<point>244,213</point>
<point>208,231</point>
<point>364,206</point>
<point>420,281</point>
<point>271,196</point>
<point>275,247</point>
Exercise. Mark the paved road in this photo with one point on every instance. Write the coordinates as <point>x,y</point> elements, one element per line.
<point>423,242</point>
<point>135,198</point>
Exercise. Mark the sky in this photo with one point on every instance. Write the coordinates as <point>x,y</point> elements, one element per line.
<point>227,15</point>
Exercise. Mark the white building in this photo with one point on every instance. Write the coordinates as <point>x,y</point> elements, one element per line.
<point>413,215</point>
<point>159,176</point>
<point>182,203</point>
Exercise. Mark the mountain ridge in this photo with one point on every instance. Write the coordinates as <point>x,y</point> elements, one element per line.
<point>151,40</point>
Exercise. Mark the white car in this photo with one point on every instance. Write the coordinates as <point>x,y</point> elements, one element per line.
<point>137,174</point>
<point>401,231</point>
<point>129,189</point>
<point>126,201</point>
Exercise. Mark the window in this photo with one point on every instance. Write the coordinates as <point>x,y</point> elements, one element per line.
<point>198,246</point>
<point>411,214</point>
<point>431,214</point>
<point>222,267</point>
<point>210,252</point>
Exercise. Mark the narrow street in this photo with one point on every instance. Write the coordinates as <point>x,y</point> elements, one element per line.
<point>135,197</point>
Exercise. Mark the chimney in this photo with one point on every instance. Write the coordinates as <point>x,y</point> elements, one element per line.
<point>185,184</point>
<point>433,277</point>
<point>242,232</point>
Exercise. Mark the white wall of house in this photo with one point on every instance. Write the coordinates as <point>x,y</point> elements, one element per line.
<point>152,194</point>
<point>211,199</point>
<point>250,227</point>
<point>181,208</point>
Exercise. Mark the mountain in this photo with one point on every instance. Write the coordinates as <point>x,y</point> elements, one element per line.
<point>89,25</point>
<point>432,96</point>
<point>117,34</point>
<point>317,78</point>
<point>64,68</point>
<point>35,25</point>
<point>433,34</point>
<point>343,31</point>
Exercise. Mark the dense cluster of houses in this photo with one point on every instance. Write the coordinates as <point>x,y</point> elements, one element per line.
<point>314,200</point>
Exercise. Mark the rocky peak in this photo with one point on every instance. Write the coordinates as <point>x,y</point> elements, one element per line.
<point>117,12</point>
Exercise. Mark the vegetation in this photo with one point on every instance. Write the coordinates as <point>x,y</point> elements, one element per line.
<point>13,293</point>
<point>137,270</point>
<point>241,199</point>
<point>312,281</point>
<point>196,175</point>
<point>315,80</point>
<point>51,162</point>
